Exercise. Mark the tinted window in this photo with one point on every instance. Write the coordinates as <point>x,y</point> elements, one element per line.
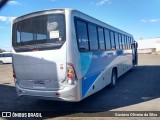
<point>41,32</point>
<point>120,41</point>
<point>123,42</point>
<point>126,44</point>
<point>129,42</point>
<point>116,41</point>
<point>55,28</point>
<point>107,39</point>
<point>112,40</point>
<point>18,37</point>
<point>1,55</point>
<point>26,31</point>
<point>92,31</point>
<point>7,55</point>
<point>101,38</point>
<point>82,35</point>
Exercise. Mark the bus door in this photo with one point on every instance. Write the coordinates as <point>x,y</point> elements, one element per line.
<point>135,53</point>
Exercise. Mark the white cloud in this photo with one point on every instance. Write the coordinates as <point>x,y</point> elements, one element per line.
<point>6,19</point>
<point>3,18</point>
<point>154,20</point>
<point>150,20</point>
<point>10,19</point>
<point>12,2</point>
<point>102,2</point>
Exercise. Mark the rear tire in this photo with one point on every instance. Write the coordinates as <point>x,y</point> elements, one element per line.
<point>113,79</point>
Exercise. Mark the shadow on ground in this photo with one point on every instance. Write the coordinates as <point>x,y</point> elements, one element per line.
<point>136,86</point>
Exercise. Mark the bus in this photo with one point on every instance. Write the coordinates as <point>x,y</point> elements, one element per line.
<point>66,55</point>
<point>5,57</point>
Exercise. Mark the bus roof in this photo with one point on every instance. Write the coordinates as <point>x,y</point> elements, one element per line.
<point>75,12</point>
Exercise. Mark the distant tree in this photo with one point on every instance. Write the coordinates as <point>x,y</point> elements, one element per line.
<point>2,50</point>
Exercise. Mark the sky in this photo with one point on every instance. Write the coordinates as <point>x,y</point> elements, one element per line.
<point>141,18</point>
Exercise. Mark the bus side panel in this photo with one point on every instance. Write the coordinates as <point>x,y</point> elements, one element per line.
<point>96,68</point>
<point>73,55</point>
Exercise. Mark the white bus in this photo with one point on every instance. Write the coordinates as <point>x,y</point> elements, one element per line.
<point>64,54</point>
<point>5,57</point>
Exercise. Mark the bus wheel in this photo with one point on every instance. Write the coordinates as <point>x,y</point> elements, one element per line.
<point>113,79</point>
<point>1,62</point>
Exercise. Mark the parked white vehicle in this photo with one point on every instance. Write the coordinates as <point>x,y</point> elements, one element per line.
<point>5,57</point>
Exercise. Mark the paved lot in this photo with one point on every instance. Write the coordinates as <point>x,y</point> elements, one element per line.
<point>138,90</point>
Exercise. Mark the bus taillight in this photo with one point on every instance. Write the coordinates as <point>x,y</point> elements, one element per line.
<point>71,74</point>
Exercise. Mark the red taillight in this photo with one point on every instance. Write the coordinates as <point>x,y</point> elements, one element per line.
<point>71,73</point>
<point>14,74</point>
<point>70,76</point>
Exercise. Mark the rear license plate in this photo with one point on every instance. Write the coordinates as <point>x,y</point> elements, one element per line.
<point>39,83</point>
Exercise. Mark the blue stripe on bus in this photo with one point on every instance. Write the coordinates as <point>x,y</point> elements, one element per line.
<point>87,83</point>
<point>92,62</point>
<point>119,52</point>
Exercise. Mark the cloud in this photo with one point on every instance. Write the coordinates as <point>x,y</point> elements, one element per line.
<point>150,20</point>
<point>10,19</point>
<point>12,2</point>
<point>154,20</point>
<point>102,2</point>
<point>6,19</point>
<point>3,18</point>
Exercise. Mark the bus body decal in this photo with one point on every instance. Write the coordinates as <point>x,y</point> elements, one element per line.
<point>87,83</point>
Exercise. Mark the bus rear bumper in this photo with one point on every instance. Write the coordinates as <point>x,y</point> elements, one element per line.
<point>69,93</point>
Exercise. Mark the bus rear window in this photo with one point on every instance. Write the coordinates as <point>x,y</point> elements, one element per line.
<point>41,33</point>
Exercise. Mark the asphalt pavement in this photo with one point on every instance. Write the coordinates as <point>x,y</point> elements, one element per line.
<point>137,90</point>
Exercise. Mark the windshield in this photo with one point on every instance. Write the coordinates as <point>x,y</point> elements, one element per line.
<point>44,32</point>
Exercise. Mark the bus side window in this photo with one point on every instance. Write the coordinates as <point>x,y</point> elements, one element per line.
<point>123,42</point>
<point>112,40</point>
<point>101,38</point>
<point>116,41</point>
<point>1,55</point>
<point>130,42</point>
<point>107,39</point>
<point>92,32</point>
<point>120,41</point>
<point>126,42</point>
<point>7,55</point>
<point>82,36</point>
